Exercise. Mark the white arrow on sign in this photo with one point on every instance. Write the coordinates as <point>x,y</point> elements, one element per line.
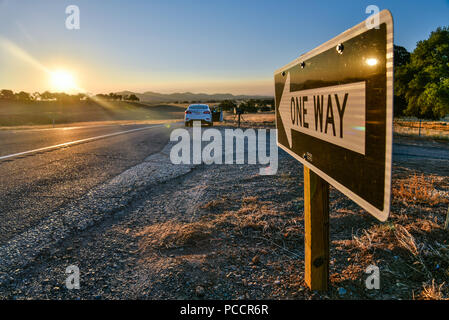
<point>335,114</point>
<point>284,110</point>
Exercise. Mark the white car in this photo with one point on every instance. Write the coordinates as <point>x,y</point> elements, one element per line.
<point>198,112</point>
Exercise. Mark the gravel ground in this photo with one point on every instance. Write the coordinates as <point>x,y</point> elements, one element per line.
<point>225,232</point>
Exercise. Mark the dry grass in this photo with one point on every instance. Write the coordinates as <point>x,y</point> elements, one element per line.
<point>418,189</point>
<point>264,119</point>
<point>432,291</point>
<point>253,218</point>
<point>434,125</point>
<point>379,236</point>
<point>419,256</point>
<point>250,200</point>
<point>406,240</point>
<point>173,234</point>
<point>387,236</point>
<point>215,204</point>
<point>255,117</point>
<point>429,129</point>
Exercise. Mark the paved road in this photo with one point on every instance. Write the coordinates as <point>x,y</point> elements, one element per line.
<point>410,151</point>
<point>34,185</point>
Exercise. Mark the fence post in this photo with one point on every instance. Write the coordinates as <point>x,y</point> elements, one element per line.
<point>419,132</point>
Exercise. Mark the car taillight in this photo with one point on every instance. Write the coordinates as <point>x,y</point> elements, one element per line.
<point>207,112</point>
<point>188,112</point>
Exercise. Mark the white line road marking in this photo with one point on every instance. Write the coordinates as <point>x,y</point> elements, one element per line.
<point>76,142</point>
<point>9,129</point>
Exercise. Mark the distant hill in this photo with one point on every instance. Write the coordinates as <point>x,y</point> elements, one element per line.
<point>189,96</point>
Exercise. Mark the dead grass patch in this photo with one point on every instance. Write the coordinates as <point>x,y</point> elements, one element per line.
<point>387,236</point>
<point>406,240</point>
<point>259,219</point>
<point>250,120</point>
<point>254,218</point>
<point>429,129</point>
<point>379,236</point>
<point>432,291</point>
<point>170,235</point>
<point>215,204</point>
<point>422,260</point>
<point>250,200</point>
<point>418,189</point>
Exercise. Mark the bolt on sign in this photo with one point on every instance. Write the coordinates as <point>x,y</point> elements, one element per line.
<point>334,112</point>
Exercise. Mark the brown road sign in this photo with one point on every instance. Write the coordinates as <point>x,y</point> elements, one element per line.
<point>334,112</point>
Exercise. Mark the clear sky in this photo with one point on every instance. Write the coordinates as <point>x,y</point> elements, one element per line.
<point>215,46</point>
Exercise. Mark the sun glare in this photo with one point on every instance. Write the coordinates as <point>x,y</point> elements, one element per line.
<point>371,61</point>
<point>63,81</point>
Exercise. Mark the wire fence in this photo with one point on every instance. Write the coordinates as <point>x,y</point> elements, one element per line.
<point>422,128</point>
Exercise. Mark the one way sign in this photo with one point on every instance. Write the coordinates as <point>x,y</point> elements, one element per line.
<point>334,112</point>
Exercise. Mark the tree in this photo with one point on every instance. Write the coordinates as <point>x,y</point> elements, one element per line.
<point>64,97</point>
<point>227,105</point>
<point>424,81</point>
<point>249,106</point>
<point>113,96</point>
<point>133,97</point>
<point>47,96</point>
<point>81,96</point>
<point>401,58</point>
<point>23,96</point>
<point>36,96</point>
<point>7,94</point>
<point>102,96</point>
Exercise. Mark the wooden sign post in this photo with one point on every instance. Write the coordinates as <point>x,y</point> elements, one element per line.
<point>316,225</point>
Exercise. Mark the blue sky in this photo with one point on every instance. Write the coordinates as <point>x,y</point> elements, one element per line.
<point>180,45</point>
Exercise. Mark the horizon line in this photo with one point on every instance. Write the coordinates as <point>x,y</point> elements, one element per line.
<point>141,93</point>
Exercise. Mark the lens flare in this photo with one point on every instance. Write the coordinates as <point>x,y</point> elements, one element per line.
<point>371,62</point>
<point>63,81</point>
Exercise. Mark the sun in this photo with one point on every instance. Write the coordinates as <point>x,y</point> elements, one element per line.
<point>63,81</point>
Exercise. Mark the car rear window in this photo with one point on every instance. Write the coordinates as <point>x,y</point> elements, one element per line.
<point>198,107</point>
